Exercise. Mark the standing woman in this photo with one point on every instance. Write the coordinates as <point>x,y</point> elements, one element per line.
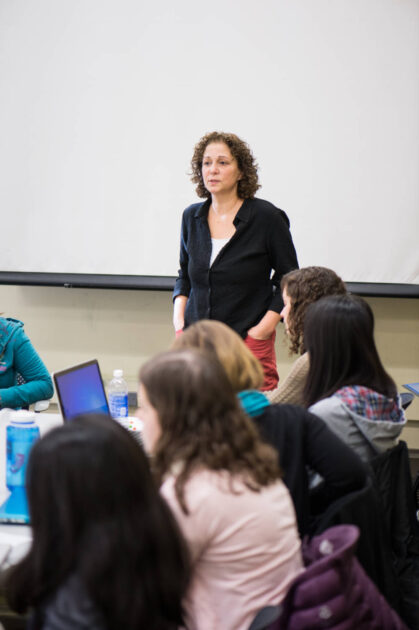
<point>234,250</point>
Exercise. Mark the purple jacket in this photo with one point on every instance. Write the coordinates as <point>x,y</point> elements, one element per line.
<point>334,591</point>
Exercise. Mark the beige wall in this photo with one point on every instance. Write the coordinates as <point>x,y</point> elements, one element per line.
<point>124,328</point>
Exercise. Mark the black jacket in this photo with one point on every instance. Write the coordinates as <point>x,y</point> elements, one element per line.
<point>69,608</point>
<point>303,440</point>
<point>393,484</point>
<point>237,289</point>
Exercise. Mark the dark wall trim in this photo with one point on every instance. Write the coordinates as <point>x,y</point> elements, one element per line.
<point>91,281</point>
<point>165,283</point>
<point>381,289</point>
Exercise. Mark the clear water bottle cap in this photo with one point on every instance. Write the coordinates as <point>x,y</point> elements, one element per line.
<point>118,373</point>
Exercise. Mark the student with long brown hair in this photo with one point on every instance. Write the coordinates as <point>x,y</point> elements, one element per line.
<point>301,439</point>
<point>224,488</point>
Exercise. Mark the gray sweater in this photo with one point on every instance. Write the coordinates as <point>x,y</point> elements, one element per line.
<point>345,423</point>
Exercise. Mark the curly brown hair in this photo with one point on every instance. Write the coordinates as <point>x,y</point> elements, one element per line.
<point>248,184</point>
<point>202,423</point>
<point>305,286</point>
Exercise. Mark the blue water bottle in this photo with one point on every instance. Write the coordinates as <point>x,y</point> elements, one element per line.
<point>21,433</point>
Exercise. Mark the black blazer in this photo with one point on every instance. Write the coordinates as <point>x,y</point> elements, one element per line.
<point>237,289</point>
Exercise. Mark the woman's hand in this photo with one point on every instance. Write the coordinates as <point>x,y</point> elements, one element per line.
<point>266,327</point>
<point>179,307</point>
<point>256,333</point>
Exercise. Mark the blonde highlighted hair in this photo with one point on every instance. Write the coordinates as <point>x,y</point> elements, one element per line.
<point>242,368</point>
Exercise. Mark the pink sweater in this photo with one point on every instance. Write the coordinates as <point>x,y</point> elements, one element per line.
<point>245,548</point>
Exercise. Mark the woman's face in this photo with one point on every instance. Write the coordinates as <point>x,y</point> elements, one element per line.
<point>220,170</point>
<point>286,310</point>
<point>151,423</point>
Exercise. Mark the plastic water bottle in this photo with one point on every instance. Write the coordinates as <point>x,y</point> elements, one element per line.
<point>118,395</point>
<point>21,432</point>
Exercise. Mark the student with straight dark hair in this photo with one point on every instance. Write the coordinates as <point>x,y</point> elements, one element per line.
<point>347,385</point>
<point>223,485</point>
<point>106,551</point>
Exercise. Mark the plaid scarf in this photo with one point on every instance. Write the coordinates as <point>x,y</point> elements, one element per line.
<point>370,404</point>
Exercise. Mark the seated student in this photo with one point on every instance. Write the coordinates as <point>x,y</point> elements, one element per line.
<point>223,485</point>
<point>300,438</point>
<point>18,356</point>
<point>300,288</point>
<point>106,551</point>
<point>347,385</point>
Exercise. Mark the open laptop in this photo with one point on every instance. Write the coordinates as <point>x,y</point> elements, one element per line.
<point>413,387</point>
<point>80,390</point>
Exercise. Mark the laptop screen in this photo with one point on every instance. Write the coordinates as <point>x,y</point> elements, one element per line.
<point>80,390</point>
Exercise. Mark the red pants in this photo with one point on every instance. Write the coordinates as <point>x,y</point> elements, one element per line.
<point>264,350</point>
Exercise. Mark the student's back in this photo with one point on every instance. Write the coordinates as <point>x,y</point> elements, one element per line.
<point>365,419</point>
<point>347,385</point>
<point>304,441</point>
<point>244,547</point>
<point>299,438</point>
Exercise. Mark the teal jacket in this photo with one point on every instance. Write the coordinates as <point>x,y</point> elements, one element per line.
<point>18,356</point>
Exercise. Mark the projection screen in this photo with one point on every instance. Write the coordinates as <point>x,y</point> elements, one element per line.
<point>102,102</point>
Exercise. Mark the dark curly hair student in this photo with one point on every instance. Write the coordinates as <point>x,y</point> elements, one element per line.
<point>234,250</point>
<point>106,551</point>
<point>300,288</point>
<point>303,287</point>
